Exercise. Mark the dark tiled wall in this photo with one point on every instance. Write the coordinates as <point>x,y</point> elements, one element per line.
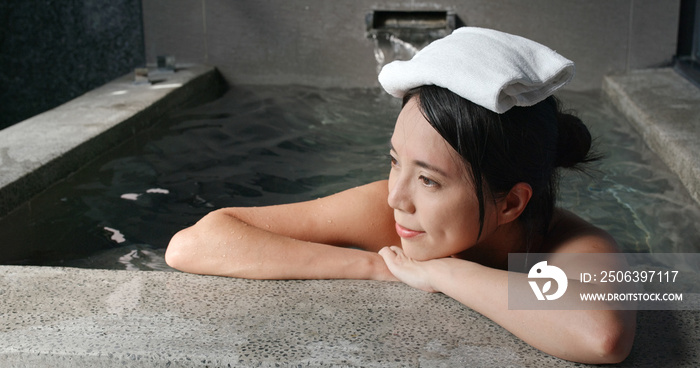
<point>54,51</point>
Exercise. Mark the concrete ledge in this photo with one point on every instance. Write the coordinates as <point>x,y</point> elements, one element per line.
<point>65,317</point>
<point>665,110</point>
<point>46,148</point>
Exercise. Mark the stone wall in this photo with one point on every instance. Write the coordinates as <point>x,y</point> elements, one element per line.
<point>324,43</point>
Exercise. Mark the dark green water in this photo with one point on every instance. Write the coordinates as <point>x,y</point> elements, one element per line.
<point>267,145</point>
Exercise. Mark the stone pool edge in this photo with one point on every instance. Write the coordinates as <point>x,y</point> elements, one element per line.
<point>69,317</point>
<point>664,108</point>
<point>46,148</point>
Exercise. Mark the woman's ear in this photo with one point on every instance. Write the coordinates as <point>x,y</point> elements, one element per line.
<point>514,203</point>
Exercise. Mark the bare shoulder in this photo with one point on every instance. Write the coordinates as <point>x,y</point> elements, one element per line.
<point>571,234</point>
<point>359,217</point>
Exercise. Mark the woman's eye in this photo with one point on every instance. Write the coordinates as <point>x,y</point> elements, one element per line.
<point>427,182</point>
<point>393,160</point>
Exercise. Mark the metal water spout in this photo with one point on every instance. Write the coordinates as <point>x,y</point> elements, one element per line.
<point>398,35</point>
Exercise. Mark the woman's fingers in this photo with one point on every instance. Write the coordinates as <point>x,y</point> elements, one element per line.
<point>387,252</point>
<point>404,268</point>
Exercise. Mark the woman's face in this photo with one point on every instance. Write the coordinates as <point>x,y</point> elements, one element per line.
<point>435,206</point>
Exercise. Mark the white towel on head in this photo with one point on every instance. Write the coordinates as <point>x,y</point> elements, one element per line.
<point>490,68</point>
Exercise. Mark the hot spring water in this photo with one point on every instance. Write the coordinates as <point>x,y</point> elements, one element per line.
<point>266,145</point>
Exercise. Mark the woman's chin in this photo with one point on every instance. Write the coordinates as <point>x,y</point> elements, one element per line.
<point>411,251</point>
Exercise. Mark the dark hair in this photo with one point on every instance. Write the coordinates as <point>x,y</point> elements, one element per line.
<point>524,144</point>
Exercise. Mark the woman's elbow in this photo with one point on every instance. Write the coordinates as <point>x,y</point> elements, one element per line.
<point>197,249</point>
<point>612,343</point>
<point>178,255</point>
<point>612,348</point>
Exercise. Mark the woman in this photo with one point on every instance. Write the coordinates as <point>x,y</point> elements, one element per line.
<point>473,178</point>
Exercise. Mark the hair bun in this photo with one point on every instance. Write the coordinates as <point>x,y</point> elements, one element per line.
<point>573,143</point>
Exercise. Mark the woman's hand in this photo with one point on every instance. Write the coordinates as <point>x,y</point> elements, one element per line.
<point>411,272</point>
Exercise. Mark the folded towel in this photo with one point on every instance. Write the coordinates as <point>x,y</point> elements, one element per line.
<point>490,68</point>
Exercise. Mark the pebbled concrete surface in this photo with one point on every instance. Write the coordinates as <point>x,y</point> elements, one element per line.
<point>63,317</point>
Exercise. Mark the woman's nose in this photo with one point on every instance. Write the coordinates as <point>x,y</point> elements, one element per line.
<point>399,194</point>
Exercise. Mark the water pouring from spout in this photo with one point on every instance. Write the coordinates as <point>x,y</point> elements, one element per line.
<point>399,35</point>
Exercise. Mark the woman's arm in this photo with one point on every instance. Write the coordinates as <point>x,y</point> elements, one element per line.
<point>588,336</point>
<point>295,241</point>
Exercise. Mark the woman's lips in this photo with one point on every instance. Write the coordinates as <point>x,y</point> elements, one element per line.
<point>407,233</point>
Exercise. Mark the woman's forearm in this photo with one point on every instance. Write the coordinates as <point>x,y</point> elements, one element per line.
<point>590,336</point>
<point>221,244</point>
